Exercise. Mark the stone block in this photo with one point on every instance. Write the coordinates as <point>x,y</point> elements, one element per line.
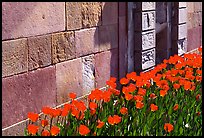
<point>108,37</point>
<point>106,65</point>
<point>123,45</point>
<point>73,15</point>
<point>69,79</point>
<point>86,41</point>
<point>32,18</point>
<point>182,15</point>
<point>148,6</point>
<point>91,14</point>
<point>14,57</point>
<point>194,38</point>
<point>39,51</point>
<point>88,72</point>
<point>27,92</point>
<point>197,6</point>
<point>182,31</point>
<point>109,13</point>
<point>182,46</point>
<point>182,4</point>
<point>122,8</point>
<point>144,21</point>
<point>63,46</point>
<point>190,7</point>
<point>145,40</point>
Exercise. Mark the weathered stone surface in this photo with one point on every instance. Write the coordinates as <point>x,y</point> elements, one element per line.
<point>14,57</point>
<point>182,15</point>
<point>69,79</point>
<point>32,18</point>
<point>190,7</point>
<point>63,46</point>
<point>182,31</point>
<point>123,44</point>
<point>148,58</point>
<point>108,37</point>
<point>182,46</point>
<point>106,65</point>
<point>198,6</point>
<point>39,51</point>
<point>27,92</point>
<point>194,38</point>
<point>122,8</point>
<point>182,4</point>
<point>145,40</point>
<point>109,13</point>
<point>73,15</point>
<point>144,21</point>
<point>88,72</point>
<point>148,6</point>
<point>91,14</point>
<point>86,41</point>
<point>17,130</point>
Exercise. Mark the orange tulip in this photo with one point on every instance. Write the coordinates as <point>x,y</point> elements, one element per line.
<point>153,107</point>
<point>45,133</point>
<point>138,98</point>
<point>176,86</point>
<point>124,81</point>
<point>54,130</point>
<point>198,97</point>
<point>83,130</point>
<point>123,110</point>
<point>100,124</point>
<point>153,96</point>
<point>111,120</point>
<point>44,123</point>
<point>33,116</point>
<point>32,129</point>
<point>72,95</point>
<point>176,106</point>
<point>92,105</point>
<point>163,93</point>
<point>128,96</point>
<point>168,127</point>
<point>139,105</point>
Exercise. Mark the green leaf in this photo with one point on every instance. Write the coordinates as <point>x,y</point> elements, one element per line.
<point>181,131</point>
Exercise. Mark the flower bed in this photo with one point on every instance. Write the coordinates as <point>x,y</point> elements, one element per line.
<point>165,101</point>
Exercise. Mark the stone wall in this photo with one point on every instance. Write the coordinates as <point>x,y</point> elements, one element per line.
<point>194,25</point>
<point>52,48</point>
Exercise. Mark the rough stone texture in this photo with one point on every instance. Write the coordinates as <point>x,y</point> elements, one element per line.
<point>108,37</point>
<point>73,15</point>
<point>146,40</point>
<point>106,65</point>
<point>32,18</point>
<point>63,47</point>
<point>148,6</point>
<point>197,6</point>
<point>17,130</point>
<point>91,14</point>
<point>109,13</point>
<point>182,15</point>
<point>190,6</point>
<point>14,57</point>
<point>148,58</point>
<point>86,41</point>
<point>39,51</point>
<point>69,79</point>
<point>88,72</point>
<point>27,92</point>
<point>182,46</point>
<point>182,4</point>
<point>122,46</point>
<point>194,38</point>
<point>122,8</point>
<point>182,31</point>
<point>194,20</point>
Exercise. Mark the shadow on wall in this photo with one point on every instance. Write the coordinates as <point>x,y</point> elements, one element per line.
<point>107,58</point>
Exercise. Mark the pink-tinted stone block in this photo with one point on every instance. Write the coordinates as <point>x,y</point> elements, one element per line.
<point>106,65</point>
<point>109,13</point>
<point>194,38</point>
<point>122,47</point>
<point>27,92</point>
<point>32,18</point>
<point>122,8</point>
<point>68,79</point>
<point>86,41</point>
